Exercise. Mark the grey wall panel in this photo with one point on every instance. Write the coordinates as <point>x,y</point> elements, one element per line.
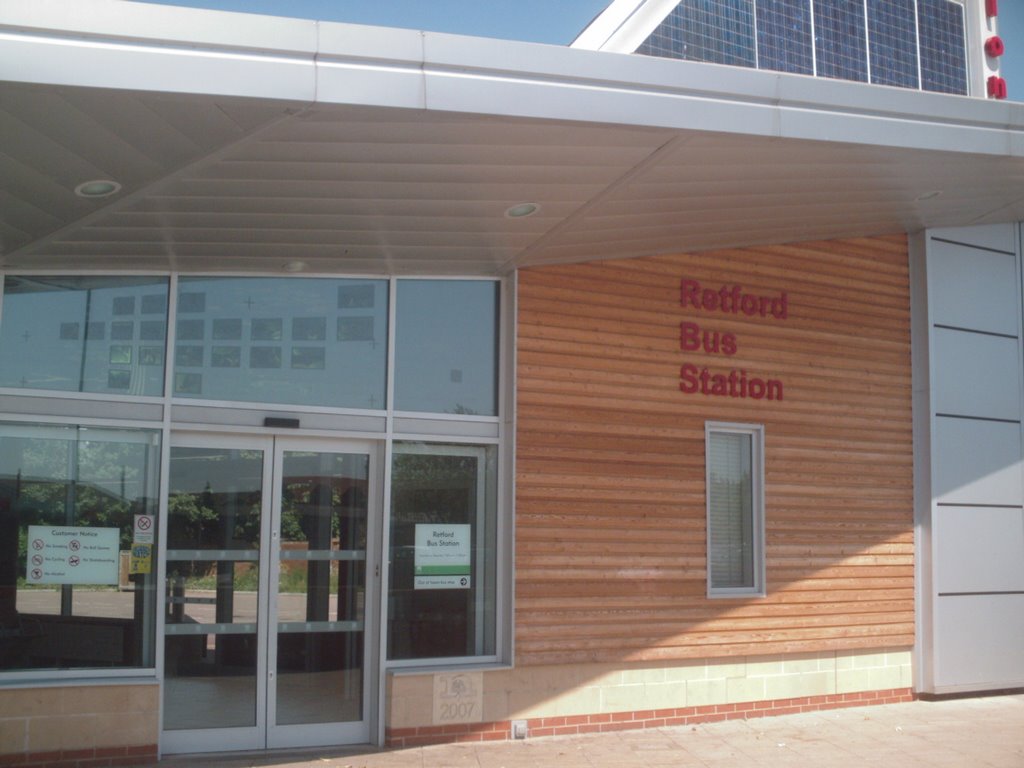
<point>981,549</point>
<point>237,417</point>
<point>456,428</point>
<point>980,641</point>
<point>82,408</point>
<point>980,375</point>
<point>972,288</point>
<point>995,237</point>
<point>976,462</point>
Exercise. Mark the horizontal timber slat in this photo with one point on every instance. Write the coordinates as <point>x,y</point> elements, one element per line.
<point>610,498</point>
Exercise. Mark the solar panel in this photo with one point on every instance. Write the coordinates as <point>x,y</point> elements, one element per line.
<point>716,31</point>
<point>943,50</point>
<point>892,33</point>
<point>784,36</point>
<point>840,39</point>
<point>885,41</point>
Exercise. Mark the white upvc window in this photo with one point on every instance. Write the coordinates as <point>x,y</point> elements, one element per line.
<point>734,473</point>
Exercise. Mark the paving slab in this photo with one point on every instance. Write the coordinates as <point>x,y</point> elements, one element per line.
<point>979,732</point>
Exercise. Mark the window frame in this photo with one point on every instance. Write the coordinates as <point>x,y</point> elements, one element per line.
<point>489,495</point>
<point>756,434</point>
<point>36,427</point>
<point>170,415</point>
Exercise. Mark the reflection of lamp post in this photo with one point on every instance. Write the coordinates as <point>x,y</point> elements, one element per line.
<point>9,560</point>
<point>70,502</point>
<point>85,339</point>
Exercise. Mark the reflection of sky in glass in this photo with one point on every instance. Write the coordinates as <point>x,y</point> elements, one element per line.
<point>276,341</point>
<point>301,341</point>
<point>446,350</point>
<point>56,334</point>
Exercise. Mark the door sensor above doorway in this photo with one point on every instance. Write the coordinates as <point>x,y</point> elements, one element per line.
<point>275,421</point>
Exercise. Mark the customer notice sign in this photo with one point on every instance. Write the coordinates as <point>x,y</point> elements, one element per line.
<point>71,555</point>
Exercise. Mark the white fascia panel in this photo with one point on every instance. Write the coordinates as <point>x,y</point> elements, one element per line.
<point>450,91</point>
<point>340,82</point>
<point>817,125</point>
<point>119,19</point>
<point>466,74</point>
<point>85,63</point>
<point>371,44</point>
<point>241,55</point>
<point>370,66</point>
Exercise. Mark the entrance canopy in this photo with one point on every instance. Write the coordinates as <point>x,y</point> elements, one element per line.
<point>253,143</point>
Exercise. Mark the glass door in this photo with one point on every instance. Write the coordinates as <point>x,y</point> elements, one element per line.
<point>317,691</point>
<point>267,601</point>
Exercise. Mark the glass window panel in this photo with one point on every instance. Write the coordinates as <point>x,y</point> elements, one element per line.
<point>943,47</point>
<point>735,517</point>
<point>441,600</point>
<point>53,332</point>
<point>446,346</point>
<point>784,36</point>
<point>122,330</point>
<point>840,39</point>
<point>272,321</point>
<point>75,592</point>
<point>892,33</point>
<point>215,499</point>
<point>730,501</point>
<point>321,591</point>
<point>716,31</point>
<point>213,539</point>
<point>190,329</point>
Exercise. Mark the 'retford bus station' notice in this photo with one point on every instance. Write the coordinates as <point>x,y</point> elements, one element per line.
<point>71,555</point>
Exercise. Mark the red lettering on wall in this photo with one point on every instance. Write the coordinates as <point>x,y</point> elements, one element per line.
<point>997,87</point>
<point>692,338</point>
<point>689,336</point>
<point>694,380</point>
<point>732,300</point>
<point>728,299</point>
<point>688,378</point>
<point>994,46</point>
<point>991,8</point>
<point>689,291</point>
<point>729,345</point>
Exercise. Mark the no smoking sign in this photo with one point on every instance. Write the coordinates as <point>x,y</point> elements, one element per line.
<point>143,530</point>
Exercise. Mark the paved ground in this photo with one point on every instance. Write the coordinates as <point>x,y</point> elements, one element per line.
<point>962,733</point>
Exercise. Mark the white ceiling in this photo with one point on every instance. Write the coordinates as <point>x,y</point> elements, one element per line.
<point>633,166</point>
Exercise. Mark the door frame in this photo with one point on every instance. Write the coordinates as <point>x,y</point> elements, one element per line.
<point>265,734</point>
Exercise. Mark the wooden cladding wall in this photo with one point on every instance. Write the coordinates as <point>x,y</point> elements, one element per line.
<point>610,506</point>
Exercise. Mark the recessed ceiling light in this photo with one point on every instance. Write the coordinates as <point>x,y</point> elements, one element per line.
<point>97,188</point>
<point>930,195</point>
<point>521,210</point>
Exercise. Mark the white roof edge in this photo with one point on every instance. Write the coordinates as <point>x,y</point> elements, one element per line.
<point>329,63</point>
<point>140,21</point>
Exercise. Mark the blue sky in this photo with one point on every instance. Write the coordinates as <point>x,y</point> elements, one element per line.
<point>539,21</point>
